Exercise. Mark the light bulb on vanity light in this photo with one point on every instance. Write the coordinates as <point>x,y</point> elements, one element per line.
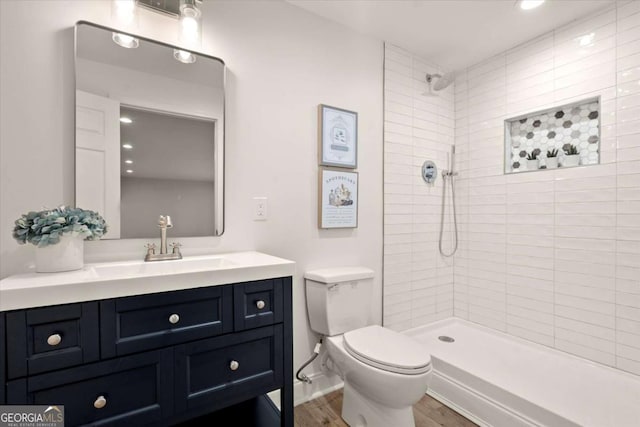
<point>184,56</point>
<point>190,25</point>
<point>125,41</point>
<point>124,13</point>
<point>125,120</point>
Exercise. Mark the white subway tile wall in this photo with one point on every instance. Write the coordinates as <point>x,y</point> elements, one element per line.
<point>551,257</point>
<point>418,282</point>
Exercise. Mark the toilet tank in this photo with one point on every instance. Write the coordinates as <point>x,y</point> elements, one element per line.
<point>339,299</point>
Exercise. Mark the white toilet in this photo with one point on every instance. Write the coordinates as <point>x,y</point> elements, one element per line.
<point>384,372</point>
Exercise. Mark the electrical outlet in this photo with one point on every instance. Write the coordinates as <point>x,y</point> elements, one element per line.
<point>260,211</point>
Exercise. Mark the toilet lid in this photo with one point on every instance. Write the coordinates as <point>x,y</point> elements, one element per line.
<point>388,350</point>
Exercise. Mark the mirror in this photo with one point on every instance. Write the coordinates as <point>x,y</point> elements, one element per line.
<point>149,134</point>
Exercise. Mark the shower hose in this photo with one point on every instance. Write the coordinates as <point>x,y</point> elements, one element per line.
<point>449,175</point>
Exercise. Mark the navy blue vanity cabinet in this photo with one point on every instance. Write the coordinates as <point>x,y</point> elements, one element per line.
<point>258,304</point>
<point>49,338</point>
<point>163,359</point>
<point>131,391</point>
<point>134,324</point>
<point>217,372</point>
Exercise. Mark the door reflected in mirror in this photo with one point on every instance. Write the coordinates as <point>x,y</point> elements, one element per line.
<point>149,135</point>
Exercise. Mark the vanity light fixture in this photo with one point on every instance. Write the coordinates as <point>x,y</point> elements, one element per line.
<point>127,146</point>
<point>190,25</point>
<point>530,4</point>
<point>184,56</point>
<point>126,120</point>
<point>125,14</point>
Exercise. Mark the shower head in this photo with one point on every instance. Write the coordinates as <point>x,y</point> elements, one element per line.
<point>438,82</point>
<point>444,81</point>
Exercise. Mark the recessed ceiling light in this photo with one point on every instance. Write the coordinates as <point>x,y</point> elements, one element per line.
<point>125,41</point>
<point>530,4</point>
<point>127,146</point>
<point>129,171</point>
<point>126,120</point>
<point>586,40</point>
<point>129,162</point>
<point>184,56</point>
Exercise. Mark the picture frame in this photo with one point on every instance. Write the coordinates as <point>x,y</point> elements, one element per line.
<point>337,198</point>
<point>338,137</point>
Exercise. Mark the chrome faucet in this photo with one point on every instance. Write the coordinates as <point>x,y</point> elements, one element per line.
<point>164,222</point>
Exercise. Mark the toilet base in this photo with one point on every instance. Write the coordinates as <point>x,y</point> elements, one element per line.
<point>358,411</point>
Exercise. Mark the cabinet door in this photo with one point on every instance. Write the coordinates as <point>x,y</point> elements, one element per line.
<point>221,371</point>
<point>257,304</point>
<point>49,338</point>
<point>134,390</point>
<point>146,322</point>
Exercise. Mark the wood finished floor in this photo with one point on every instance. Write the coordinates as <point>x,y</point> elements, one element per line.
<point>325,411</point>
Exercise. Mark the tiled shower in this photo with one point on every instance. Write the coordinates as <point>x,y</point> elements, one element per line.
<point>551,256</point>
<point>418,283</point>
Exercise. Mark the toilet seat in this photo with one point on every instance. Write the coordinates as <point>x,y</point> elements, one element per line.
<point>387,350</point>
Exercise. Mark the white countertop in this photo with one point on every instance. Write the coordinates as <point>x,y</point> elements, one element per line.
<point>119,279</point>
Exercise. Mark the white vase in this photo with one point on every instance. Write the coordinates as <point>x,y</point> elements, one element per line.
<point>532,165</point>
<point>67,255</point>
<point>572,160</point>
<point>552,162</point>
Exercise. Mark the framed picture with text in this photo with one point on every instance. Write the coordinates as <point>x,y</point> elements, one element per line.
<point>338,137</point>
<point>338,199</point>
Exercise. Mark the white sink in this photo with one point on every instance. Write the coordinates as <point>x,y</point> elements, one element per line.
<point>118,279</point>
<point>141,268</point>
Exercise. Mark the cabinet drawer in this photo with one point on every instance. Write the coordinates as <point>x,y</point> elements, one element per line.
<point>50,338</point>
<point>207,375</point>
<point>139,323</point>
<point>136,390</point>
<point>257,303</point>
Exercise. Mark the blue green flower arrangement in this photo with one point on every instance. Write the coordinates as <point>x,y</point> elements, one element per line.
<point>45,228</point>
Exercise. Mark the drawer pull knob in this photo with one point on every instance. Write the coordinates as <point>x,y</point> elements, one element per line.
<point>54,339</point>
<point>260,304</point>
<point>234,365</point>
<point>174,318</point>
<point>100,402</point>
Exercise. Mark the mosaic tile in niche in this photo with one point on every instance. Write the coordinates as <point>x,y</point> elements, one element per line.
<point>551,135</point>
<point>516,165</point>
<point>536,124</point>
<point>593,139</point>
<point>559,114</point>
<point>523,154</point>
<point>567,124</point>
<point>529,135</point>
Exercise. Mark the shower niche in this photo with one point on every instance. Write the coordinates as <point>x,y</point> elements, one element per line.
<point>558,137</point>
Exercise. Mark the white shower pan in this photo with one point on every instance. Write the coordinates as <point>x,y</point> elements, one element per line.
<point>499,380</point>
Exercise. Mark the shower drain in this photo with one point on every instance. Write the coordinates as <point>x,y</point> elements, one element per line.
<point>446,338</point>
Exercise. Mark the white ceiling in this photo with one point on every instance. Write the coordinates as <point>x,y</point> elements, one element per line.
<point>452,33</point>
